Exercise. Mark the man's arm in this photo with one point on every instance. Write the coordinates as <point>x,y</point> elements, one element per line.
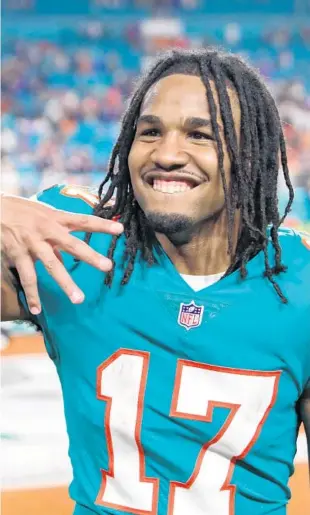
<point>305,416</point>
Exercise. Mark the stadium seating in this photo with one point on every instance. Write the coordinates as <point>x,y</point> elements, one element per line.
<point>65,84</point>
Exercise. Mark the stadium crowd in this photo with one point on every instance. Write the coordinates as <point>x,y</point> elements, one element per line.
<point>64,91</point>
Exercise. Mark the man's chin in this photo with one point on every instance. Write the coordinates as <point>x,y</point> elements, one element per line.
<point>169,224</point>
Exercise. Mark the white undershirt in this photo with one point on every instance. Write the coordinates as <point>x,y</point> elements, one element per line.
<point>199,282</point>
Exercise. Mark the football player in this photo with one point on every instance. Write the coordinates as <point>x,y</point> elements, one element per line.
<point>185,366</point>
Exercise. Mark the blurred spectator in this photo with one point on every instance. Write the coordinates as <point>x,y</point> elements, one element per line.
<point>63,94</point>
<point>10,178</point>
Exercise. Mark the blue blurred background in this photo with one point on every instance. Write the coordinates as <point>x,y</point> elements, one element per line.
<point>68,67</point>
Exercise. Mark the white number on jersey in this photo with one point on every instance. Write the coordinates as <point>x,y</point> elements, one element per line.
<point>122,382</point>
<point>198,390</point>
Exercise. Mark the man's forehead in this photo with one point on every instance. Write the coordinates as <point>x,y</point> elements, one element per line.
<point>186,89</point>
<point>174,86</point>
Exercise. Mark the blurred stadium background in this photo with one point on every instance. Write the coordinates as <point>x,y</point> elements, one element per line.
<point>67,69</point>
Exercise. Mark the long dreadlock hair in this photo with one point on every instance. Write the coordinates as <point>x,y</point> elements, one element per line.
<point>254,161</point>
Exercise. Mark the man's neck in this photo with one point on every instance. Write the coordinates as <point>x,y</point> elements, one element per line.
<point>206,252</point>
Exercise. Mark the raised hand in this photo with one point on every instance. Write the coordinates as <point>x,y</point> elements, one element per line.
<point>35,231</point>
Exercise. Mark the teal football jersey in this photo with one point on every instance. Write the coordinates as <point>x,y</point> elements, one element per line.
<point>179,402</point>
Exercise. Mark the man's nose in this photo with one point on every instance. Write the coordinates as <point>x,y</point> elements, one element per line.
<point>169,154</point>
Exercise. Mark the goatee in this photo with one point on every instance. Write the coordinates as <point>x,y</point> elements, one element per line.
<point>178,228</point>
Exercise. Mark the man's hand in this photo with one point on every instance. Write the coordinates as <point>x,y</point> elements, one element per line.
<point>35,231</point>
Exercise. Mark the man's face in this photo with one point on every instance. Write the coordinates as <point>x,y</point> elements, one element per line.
<point>173,160</point>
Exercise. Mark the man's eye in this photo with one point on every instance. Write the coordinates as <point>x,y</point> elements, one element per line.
<point>153,133</point>
<point>200,135</point>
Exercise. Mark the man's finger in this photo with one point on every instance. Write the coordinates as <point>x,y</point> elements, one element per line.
<point>28,278</point>
<point>58,254</point>
<point>56,269</point>
<point>84,252</point>
<point>90,223</point>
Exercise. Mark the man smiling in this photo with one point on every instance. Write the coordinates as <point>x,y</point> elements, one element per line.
<point>185,367</point>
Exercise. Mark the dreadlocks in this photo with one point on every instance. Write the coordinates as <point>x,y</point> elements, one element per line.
<point>254,161</point>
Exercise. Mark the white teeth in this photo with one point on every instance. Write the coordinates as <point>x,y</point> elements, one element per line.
<point>170,186</point>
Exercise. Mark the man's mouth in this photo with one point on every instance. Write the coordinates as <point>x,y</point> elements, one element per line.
<point>172,183</point>
<point>165,186</point>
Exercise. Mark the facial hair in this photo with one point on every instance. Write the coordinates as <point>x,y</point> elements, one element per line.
<point>178,228</point>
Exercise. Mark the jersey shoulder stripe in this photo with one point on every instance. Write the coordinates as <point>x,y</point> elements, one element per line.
<point>305,239</point>
<point>74,198</point>
<point>297,242</point>
<point>77,199</point>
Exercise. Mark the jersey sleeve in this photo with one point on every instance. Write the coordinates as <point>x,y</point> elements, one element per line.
<point>73,199</point>
<point>302,260</point>
<point>296,284</point>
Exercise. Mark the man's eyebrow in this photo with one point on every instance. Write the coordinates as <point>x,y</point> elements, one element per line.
<point>149,118</point>
<point>194,122</point>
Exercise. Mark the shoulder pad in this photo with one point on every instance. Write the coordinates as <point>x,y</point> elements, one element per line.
<point>305,239</point>
<point>78,199</point>
<point>295,243</point>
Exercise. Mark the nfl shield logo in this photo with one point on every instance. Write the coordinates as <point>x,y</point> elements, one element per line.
<point>190,315</point>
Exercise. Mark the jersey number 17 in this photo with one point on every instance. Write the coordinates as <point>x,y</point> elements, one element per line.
<point>198,389</point>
